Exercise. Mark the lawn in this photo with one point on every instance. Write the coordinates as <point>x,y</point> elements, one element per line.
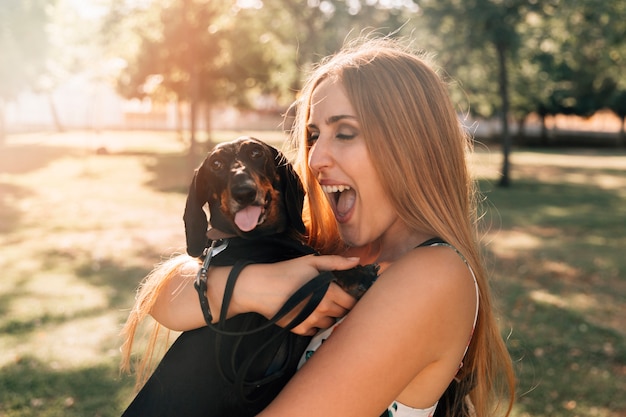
<point>84,216</point>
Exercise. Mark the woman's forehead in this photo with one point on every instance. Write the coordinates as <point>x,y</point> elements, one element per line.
<point>329,99</point>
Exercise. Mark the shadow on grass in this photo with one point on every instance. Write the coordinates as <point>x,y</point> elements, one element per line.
<point>10,214</point>
<point>171,172</point>
<point>566,365</point>
<point>22,159</point>
<point>563,294</point>
<point>581,226</point>
<point>17,289</point>
<point>575,207</point>
<point>118,281</point>
<point>121,280</point>
<point>30,387</point>
<point>18,327</point>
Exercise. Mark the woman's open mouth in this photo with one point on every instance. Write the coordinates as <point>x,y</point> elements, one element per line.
<point>342,199</point>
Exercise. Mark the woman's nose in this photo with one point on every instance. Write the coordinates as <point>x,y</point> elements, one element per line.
<point>319,156</point>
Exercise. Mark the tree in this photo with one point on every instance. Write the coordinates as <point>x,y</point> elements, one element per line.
<point>576,51</point>
<point>311,30</point>
<point>194,51</point>
<point>24,46</point>
<point>618,105</point>
<point>474,24</point>
<point>209,52</point>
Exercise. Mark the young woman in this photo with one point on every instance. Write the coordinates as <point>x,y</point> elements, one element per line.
<point>383,159</point>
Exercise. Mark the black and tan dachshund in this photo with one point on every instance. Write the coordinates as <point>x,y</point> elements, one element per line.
<point>237,366</point>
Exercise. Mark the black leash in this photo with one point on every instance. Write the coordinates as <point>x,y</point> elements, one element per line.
<point>200,284</point>
<point>312,292</point>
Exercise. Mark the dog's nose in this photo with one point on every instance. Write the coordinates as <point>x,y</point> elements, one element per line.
<point>244,194</point>
<point>243,188</point>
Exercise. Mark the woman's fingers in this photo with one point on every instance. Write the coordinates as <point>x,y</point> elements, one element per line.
<point>332,262</point>
<point>335,304</point>
<point>264,288</point>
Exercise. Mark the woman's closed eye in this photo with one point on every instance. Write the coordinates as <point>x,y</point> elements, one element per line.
<point>345,135</point>
<point>346,131</point>
<point>312,137</point>
<point>342,133</point>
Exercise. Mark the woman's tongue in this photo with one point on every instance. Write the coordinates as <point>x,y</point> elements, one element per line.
<point>345,202</point>
<point>247,218</point>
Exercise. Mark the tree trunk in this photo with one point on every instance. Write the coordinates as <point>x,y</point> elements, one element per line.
<point>504,96</point>
<point>192,86</point>
<point>208,119</point>
<point>193,110</point>
<point>521,129</point>
<point>543,136</point>
<point>179,120</point>
<point>54,113</point>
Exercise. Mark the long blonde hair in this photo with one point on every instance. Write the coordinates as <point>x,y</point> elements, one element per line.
<point>409,123</point>
<point>159,337</point>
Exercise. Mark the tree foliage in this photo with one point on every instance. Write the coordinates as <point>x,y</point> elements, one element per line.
<point>516,57</point>
<point>509,58</point>
<point>214,53</point>
<point>197,51</point>
<point>478,25</point>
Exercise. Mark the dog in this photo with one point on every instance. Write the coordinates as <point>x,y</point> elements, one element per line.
<point>235,368</point>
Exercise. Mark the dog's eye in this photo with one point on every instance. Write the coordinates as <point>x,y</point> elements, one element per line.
<point>216,165</point>
<point>256,153</point>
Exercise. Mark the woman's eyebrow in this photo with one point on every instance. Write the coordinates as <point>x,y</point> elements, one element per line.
<point>335,119</point>
<point>331,120</point>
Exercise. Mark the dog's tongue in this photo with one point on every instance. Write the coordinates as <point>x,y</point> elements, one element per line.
<point>345,201</point>
<point>247,218</point>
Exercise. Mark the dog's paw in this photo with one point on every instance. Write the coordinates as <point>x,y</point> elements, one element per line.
<point>357,280</point>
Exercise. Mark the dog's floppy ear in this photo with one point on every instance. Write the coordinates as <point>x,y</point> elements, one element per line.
<point>291,189</point>
<point>195,219</point>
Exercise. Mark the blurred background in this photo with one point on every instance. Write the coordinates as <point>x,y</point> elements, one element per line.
<point>106,107</point>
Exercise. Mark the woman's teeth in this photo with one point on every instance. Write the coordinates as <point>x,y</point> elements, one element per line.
<point>335,188</point>
<point>342,199</point>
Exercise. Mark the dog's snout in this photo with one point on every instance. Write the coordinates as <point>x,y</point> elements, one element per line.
<point>244,194</point>
<point>243,188</point>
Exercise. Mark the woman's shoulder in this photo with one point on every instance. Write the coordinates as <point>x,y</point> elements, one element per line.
<point>431,291</point>
<point>425,282</point>
<point>418,317</point>
<point>431,265</point>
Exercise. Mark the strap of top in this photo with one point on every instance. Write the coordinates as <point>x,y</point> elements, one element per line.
<point>432,242</point>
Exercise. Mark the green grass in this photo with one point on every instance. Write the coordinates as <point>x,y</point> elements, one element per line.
<point>557,239</point>
<point>79,230</point>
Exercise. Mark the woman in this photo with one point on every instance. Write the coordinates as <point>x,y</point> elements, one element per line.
<point>383,159</point>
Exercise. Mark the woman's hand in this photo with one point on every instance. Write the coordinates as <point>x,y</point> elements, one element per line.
<point>264,288</point>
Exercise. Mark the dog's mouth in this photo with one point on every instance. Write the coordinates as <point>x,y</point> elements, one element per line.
<point>249,217</point>
<point>341,197</point>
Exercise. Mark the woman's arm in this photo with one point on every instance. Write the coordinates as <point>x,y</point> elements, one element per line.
<point>403,341</point>
<point>261,288</point>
